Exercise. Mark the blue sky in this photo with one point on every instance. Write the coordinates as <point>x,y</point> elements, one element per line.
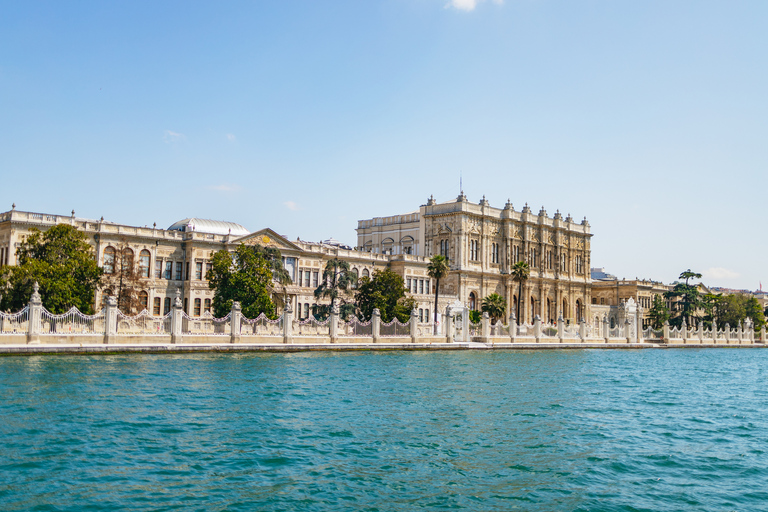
<point>649,118</point>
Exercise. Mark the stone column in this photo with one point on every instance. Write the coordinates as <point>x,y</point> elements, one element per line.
<point>684,330</point>
<point>376,325</point>
<point>414,325</point>
<point>740,333</point>
<point>639,323</point>
<point>560,327</point>
<point>762,333</point>
<point>714,331</point>
<point>628,330</point>
<point>485,327</point>
<point>537,328</point>
<point>110,321</point>
<point>606,329</point>
<point>465,324</point>
<point>334,324</point>
<point>512,327</point>
<point>700,332</point>
<point>751,331</point>
<point>176,319</point>
<point>583,329</point>
<point>665,331</point>
<point>235,321</point>
<point>448,325</point>
<point>35,317</point>
<point>288,324</point>
<point>727,333</point>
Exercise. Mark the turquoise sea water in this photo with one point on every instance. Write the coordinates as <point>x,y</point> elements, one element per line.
<point>548,430</point>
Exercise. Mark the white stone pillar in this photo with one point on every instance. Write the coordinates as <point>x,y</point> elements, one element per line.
<point>537,328</point>
<point>684,330</point>
<point>512,327</point>
<point>727,333</point>
<point>628,330</point>
<point>288,324</point>
<point>334,324</point>
<point>665,331</point>
<point>376,325</point>
<point>560,327</point>
<point>762,333</point>
<point>110,320</point>
<point>485,327</point>
<point>176,319</point>
<point>740,333</point>
<point>606,329</point>
<point>583,330</point>
<point>714,331</point>
<point>414,325</point>
<point>465,324</point>
<point>448,323</point>
<point>35,317</point>
<point>700,332</point>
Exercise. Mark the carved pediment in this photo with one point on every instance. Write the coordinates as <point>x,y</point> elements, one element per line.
<point>444,228</point>
<point>267,238</point>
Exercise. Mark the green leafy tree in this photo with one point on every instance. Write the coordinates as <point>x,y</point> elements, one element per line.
<point>520,272</point>
<point>659,312</point>
<point>754,311</point>
<point>338,282</point>
<point>244,276</point>
<point>384,290</point>
<point>437,269</point>
<point>280,276</point>
<point>495,305</point>
<point>475,316</point>
<point>62,262</point>
<point>688,297</point>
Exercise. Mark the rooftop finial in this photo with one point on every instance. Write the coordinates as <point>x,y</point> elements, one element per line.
<point>13,206</point>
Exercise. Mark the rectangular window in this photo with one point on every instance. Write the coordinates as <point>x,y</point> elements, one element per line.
<point>306,310</point>
<point>158,269</point>
<point>168,270</point>
<point>315,276</point>
<point>421,315</point>
<point>199,270</point>
<point>301,277</point>
<point>408,284</point>
<point>186,306</point>
<point>167,306</point>
<point>179,269</point>
<point>187,273</point>
<point>156,307</point>
<point>197,307</point>
<point>429,290</point>
<point>426,315</point>
<point>421,286</point>
<point>207,306</point>
<point>306,278</point>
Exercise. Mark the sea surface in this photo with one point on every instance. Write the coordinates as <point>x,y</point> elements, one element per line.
<point>656,430</point>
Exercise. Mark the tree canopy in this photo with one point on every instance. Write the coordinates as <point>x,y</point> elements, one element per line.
<point>659,312</point>
<point>62,262</point>
<point>244,276</point>
<point>495,305</point>
<point>384,290</point>
<point>437,269</point>
<point>520,273</point>
<point>688,296</point>
<point>338,282</point>
<point>732,309</point>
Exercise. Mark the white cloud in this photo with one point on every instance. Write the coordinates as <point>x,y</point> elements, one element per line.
<point>468,5</point>
<point>231,137</point>
<point>224,187</point>
<point>291,205</point>
<point>719,273</point>
<point>170,137</point>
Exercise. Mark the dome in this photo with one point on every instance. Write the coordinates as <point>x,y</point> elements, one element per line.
<point>217,227</point>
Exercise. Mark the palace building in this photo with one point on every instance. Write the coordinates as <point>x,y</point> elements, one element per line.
<point>480,241</point>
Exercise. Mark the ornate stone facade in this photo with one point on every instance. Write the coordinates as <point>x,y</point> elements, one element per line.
<point>482,243</point>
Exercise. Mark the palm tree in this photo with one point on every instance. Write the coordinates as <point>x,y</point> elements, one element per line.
<point>437,269</point>
<point>520,273</point>
<point>338,279</point>
<point>495,305</point>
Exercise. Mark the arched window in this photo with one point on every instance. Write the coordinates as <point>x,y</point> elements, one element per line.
<point>533,309</point>
<point>366,273</point>
<point>126,262</point>
<point>407,244</point>
<point>549,310</point>
<point>156,306</point>
<point>207,306</point>
<point>367,246</point>
<point>566,314</point>
<point>196,310</point>
<point>167,306</point>
<point>579,312</point>
<point>109,260</point>
<point>144,257</point>
<point>355,275</point>
<point>386,246</point>
<point>472,301</point>
<point>143,300</point>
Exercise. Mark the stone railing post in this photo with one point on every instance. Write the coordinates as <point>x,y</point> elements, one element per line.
<point>583,330</point>
<point>110,321</point>
<point>762,333</point>
<point>465,324</point>
<point>512,327</point>
<point>700,332</point>
<point>177,319</point>
<point>537,328</point>
<point>751,332</point>
<point>35,316</point>
<point>288,324</point>
<point>235,321</point>
<point>334,330</point>
<point>740,332</point>
<point>448,325</point>
<point>684,330</point>
<point>727,333</point>
<point>560,327</point>
<point>627,330</point>
<point>414,325</point>
<point>606,329</point>
<point>485,327</point>
<point>639,323</point>
<point>665,331</point>
<point>376,325</point>
<point>713,330</point>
